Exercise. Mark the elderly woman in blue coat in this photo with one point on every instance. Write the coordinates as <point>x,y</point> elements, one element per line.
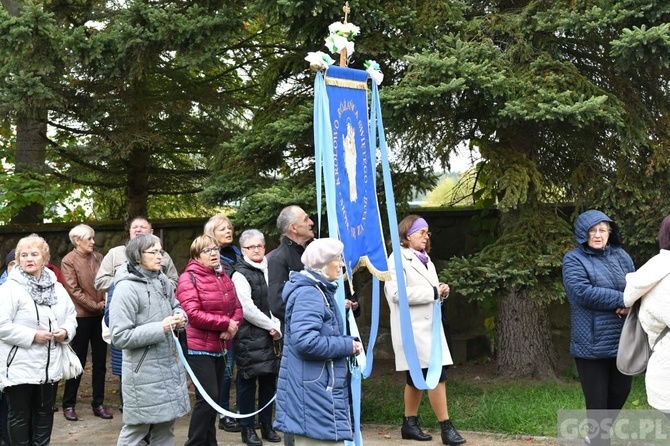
<point>312,396</point>
<point>594,276</point>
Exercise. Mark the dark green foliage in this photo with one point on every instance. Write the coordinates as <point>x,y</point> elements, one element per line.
<point>525,257</point>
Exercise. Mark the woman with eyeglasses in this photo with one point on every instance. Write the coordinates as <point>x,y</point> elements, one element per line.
<point>221,228</point>
<point>256,354</point>
<point>142,318</point>
<point>36,318</point>
<point>312,396</point>
<point>423,289</point>
<point>208,296</point>
<point>594,276</point>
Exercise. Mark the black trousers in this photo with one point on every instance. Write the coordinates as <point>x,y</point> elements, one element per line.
<point>30,415</point>
<point>209,371</point>
<point>89,331</point>
<point>246,397</point>
<point>604,388</point>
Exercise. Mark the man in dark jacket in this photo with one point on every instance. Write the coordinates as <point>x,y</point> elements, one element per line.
<point>295,227</point>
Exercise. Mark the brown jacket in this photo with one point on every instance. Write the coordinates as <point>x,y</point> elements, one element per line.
<point>79,272</point>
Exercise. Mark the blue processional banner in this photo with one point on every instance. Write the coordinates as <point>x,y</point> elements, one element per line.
<point>359,221</point>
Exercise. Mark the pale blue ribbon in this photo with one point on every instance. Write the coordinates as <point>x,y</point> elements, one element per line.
<point>407,333</point>
<point>204,394</point>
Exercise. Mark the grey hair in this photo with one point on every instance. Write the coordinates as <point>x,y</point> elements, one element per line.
<point>249,234</point>
<point>138,245</point>
<point>81,232</point>
<point>321,271</point>
<point>286,217</point>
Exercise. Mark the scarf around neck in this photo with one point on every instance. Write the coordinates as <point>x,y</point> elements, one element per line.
<point>421,255</point>
<point>42,290</point>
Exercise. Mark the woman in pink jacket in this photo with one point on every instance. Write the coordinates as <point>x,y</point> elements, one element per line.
<point>214,313</point>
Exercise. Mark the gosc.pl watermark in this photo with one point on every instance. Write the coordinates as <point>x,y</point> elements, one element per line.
<point>615,427</point>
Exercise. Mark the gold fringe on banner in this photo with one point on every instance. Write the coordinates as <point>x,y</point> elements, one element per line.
<point>346,83</point>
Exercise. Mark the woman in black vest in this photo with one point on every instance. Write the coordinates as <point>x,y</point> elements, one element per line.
<point>256,355</point>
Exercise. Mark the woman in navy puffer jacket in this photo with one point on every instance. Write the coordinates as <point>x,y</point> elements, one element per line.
<point>214,314</point>
<point>312,395</point>
<point>594,276</point>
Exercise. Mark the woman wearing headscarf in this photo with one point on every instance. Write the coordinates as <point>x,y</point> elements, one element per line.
<point>594,276</point>
<point>142,317</point>
<point>651,284</point>
<point>215,314</point>
<point>312,395</point>
<point>423,289</point>
<point>36,318</point>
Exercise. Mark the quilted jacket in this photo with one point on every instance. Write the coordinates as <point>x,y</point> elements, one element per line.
<point>312,395</point>
<point>594,281</point>
<point>23,361</point>
<point>210,300</point>
<point>154,380</point>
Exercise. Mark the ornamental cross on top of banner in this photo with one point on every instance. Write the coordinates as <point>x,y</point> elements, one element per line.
<point>343,53</point>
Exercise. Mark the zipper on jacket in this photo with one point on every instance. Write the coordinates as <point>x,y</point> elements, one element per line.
<point>331,363</point>
<point>46,370</point>
<point>10,358</point>
<point>144,355</point>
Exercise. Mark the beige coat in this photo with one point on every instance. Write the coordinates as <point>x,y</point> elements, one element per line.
<point>651,283</point>
<point>421,284</point>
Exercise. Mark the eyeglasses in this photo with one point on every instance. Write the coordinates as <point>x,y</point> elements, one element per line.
<point>211,250</point>
<point>424,233</point>
<point>603,231</point>
<point>155,252</point>
<point>254,247</point>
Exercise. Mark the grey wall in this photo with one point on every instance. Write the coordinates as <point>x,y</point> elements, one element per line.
<point>453,235</point>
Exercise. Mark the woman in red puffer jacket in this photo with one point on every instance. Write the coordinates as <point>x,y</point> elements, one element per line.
<point>208,296</point>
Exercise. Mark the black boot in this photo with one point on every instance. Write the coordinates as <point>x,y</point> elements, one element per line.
<point>449,433</point>
<point>250,437</point>
<point>269,434</point>
<point>411,430</point>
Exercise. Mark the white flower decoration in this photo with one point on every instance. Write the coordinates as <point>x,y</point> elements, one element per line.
<point>336,43</point>
<point>344,29</point>
<point>372,67</point>
<point>341,37</point>
<point>319,60</point>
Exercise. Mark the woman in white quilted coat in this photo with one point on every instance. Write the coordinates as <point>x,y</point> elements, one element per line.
<point>651,283</point>
<point>36,318</point>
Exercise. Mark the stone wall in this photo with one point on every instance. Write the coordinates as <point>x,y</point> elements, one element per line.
<point>452,235</point>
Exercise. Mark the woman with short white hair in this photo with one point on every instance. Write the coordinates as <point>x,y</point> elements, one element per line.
<point>79,268</point>
<point>312,396</point>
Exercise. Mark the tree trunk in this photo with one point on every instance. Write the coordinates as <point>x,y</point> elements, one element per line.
<point>30,158</point>
<point>525,346</point>
<point>137,183</point>
<point>30,144</point>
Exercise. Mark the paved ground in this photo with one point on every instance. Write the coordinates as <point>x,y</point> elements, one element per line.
<point>90,430</point>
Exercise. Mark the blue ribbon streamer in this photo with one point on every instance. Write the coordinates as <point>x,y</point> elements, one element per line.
<point>202,391</point>
<point>435,364</point>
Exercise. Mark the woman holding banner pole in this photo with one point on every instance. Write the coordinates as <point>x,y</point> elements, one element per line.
<point>423,289</point>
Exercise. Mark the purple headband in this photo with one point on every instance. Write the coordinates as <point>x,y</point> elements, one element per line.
<point>419,223</point>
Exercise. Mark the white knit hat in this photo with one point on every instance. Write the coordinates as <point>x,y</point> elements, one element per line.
<point>321,252</point>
